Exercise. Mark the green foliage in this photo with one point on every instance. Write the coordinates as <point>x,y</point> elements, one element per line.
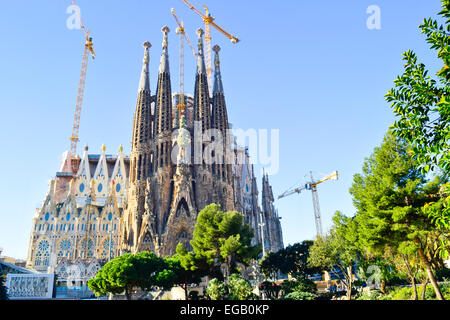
<point>216,289</point>
<point>422,107</point>
<point>219,237</point>
<point>291,260</point>
<point>299,289</point>
<point>184,275</point>
<point>239,288</point>
<point>144,270</point>
<point>298,295</point>
<point>3,293</point>
<point>406,293</point>
<point>299,284</point>
<point>421,103</point>
<point>373,295</point>
<point>339,249</point>
<point>439,212</point>
<point>390,196</point>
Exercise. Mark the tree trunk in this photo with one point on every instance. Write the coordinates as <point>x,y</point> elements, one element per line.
<point>383,286</point>
<point>430,274</point>
<point>349,283</point>
<point>413,283</point>
<point>424,288</point>
<point>127,294</point>
<point>185,291</point>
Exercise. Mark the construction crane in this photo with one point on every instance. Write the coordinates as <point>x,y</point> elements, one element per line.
<point>209,21</point>
<point>183,36</point>
<point>88,51</point>
<point>312,185</point>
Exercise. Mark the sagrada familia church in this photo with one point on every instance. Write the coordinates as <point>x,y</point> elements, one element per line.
<point>100,205</point>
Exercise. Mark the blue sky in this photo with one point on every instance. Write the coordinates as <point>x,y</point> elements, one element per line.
<point>311,69</point>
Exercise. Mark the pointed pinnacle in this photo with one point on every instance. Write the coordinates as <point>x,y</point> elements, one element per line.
<point>165,30</point>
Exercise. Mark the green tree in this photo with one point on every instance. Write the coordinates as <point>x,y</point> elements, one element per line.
<point>216,289</point>
<point>421,103</point>
<point>220,238</point>
<point>389,196</point>
<point>183,276</point>
<point>239,288</point>
<point>299,289</point>
<point>337,250</point>
<point>292,260</point>
<point>422,107</point>
<point>124,273</point>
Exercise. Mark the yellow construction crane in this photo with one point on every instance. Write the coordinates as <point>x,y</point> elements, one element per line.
<point>183,36</point>
<point>209,21</point>
<point>88,50</point>
<point>312,185</point>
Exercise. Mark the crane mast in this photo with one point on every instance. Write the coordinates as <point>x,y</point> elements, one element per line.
<point>183,36</point>
<point>209,21</point>
<point>312,185</point>
<point>88,51</point>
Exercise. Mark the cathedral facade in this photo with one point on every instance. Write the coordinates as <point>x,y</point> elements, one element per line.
<point>100,205</point>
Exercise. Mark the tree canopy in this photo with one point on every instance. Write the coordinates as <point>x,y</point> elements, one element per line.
<point>390,196</point>
<point>124,273</point>
<point>338,250</point>
<point>291,260</point>
<point>219,238</point>
<point>421,103</point>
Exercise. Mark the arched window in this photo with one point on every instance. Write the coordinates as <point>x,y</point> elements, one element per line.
<point>64,249</point>
<point>42,254</point>
<point>87,247</point>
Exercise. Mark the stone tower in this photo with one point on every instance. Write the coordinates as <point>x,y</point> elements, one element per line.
<point>176,169</point>
<point>271,220</point>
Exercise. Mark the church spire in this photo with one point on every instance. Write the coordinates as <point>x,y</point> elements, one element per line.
<point>218,87</point>
<point>142,117</point>
<point>163,110</point>
<point>164,62</point>
<point>219,109</point>
<point>144,84</point>
<point>219,116</point>
<point>201,91</point>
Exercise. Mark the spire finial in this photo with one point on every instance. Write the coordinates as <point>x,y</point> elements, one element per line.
<point>200,34</point>
<point>120,148</point>
<point>164,63</point>
<point>165,30</point>
<point>147,45</point>
<point>201,67</point>
<point>103,148</point>
<point>144,83</point>
<point>218,86</point>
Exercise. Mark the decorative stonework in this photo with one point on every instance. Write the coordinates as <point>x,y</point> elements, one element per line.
<point>30,286</point>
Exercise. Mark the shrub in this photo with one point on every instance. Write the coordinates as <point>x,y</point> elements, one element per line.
<point>299,295</point>
<point>270,289</point>
<point>216,289</point>
<point>239,288</point>
<point>299,285</point>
